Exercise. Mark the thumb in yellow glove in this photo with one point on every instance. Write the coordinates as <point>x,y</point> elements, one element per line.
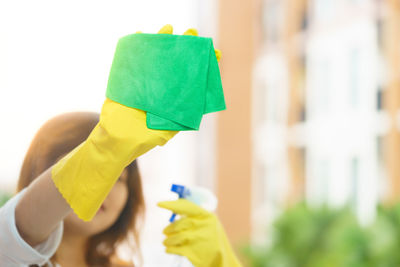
<point>198,235</point>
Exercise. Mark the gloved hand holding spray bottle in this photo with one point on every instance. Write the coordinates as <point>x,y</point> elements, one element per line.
<point>198,235</point>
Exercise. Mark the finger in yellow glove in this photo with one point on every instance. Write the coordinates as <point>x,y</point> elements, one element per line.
<point>198,235</point>
<point>168,29</point>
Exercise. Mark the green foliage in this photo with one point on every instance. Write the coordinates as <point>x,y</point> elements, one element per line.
<point>385,237</point>
<point>323,237</point>
<point>4,197</point>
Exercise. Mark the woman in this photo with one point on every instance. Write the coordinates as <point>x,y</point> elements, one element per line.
<point>86,243</point>
<point>74,242</point>
<point>80,194</point>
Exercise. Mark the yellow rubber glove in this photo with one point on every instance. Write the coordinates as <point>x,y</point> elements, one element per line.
<point>86,175</point>
<point>198,235</point>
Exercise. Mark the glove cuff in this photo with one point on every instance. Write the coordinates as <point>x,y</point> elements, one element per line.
<point>84,177</point>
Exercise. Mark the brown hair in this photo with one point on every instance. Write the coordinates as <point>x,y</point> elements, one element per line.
<point>57,137</point>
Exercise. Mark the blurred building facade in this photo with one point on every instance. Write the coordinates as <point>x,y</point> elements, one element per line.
<point>326,106</point>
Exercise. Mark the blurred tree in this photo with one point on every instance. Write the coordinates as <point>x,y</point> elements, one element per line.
<point>304,236</point>
<point>4,197</point>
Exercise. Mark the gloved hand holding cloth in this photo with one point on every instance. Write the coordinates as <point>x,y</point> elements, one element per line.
<point>159,84</point>
<point>175,78</point>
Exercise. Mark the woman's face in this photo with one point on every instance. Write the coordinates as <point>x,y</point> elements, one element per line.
<point>106,215</point>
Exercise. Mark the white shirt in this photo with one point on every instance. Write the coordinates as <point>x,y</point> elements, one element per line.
<point>14,251</point>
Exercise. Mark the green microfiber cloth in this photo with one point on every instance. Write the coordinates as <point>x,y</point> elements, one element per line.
<point>174,78</point>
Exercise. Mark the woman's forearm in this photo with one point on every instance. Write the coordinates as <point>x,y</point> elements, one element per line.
<point>40,210</point>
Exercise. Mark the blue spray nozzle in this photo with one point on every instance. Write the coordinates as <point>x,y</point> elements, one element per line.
<point>179,189</point>
<point>172,219</point>
<point>182,192</point>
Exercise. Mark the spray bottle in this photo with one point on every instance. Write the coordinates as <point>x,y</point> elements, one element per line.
<point>200,196</point>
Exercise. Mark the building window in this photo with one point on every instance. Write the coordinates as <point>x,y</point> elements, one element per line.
<point>323,9</point>
<point>354,174</point>
<point>379,98</point>
<point>304,21</point>
<point>379,150</point>
<point>354,78</point>
<point>272,107</point>
<point>379,31</point>
<point>323,177</point>
<point>272,20</point>
<point>303,113</point>
<point>322,87</point>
